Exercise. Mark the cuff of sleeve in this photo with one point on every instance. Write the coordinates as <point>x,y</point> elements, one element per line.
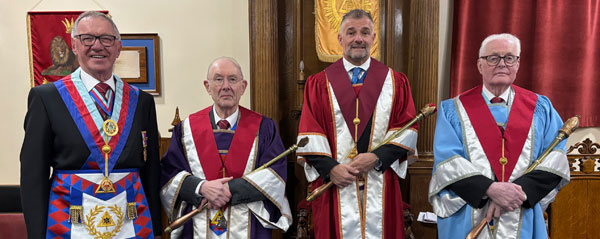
<point>189,190</point>
<point>472,190</point>
<point>322,164</point>
<point>198,188</point>
<point>388,154</point>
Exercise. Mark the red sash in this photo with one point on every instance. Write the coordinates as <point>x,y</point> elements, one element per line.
<point>346,96</point>
<point>239,151</point>
<point>517,127</point>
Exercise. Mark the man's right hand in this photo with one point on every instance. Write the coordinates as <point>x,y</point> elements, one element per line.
<point>342,175</point>
<point>216,192</point>
<point>509,196</point>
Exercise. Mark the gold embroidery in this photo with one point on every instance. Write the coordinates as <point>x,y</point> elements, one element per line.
<point>106,221</point>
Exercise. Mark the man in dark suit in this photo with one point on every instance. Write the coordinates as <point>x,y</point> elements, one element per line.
<point>99,137</point>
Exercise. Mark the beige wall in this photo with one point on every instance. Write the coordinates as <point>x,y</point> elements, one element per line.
<point>192,33</point>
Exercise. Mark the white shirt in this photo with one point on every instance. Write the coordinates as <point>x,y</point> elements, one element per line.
<point>508,95</point>
<point>90,82</point>
<point>232,119</point>
<point>349,66</point>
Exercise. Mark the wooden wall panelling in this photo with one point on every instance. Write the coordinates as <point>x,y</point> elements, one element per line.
<point>264,60</point>
<point>417,183</point>
<point>422,29</point>
<point>290,96</point>
<point>423,63</point>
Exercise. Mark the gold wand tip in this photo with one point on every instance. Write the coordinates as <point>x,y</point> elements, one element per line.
<point>303,142</point>
<point>570,125</point>
<point>168,230</point>
<point>429,109</point>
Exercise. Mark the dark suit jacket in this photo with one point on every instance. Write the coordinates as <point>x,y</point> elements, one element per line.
<point>52,140</point>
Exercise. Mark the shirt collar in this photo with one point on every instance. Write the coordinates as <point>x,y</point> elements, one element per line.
<point>507,95</point>
<point>90,82</point>
<point>232,119</point>
<point>348,66</point>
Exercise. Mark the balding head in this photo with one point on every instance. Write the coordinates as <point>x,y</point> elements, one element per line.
<point>225,84</point>
<point>222,59</point>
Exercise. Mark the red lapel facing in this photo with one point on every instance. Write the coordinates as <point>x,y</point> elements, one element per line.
<point>239,151</point>
<point>517,128</point>
<point>346,96</point>
<point>243,139</point>
<point>518,125</point>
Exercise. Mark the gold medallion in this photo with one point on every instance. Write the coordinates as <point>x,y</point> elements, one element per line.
<point>353,153</point>
<point>110,127</point>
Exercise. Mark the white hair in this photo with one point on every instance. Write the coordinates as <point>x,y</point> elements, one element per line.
<point>91,14</point>
<point>505,36</point>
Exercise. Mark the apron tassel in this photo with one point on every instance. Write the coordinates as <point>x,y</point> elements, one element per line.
<point>132,210</point>
<point>75,214</point>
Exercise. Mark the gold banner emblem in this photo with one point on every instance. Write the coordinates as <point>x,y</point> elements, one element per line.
<point>106,221</point>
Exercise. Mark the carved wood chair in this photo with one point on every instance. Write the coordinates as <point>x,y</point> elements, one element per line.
<point>575,209</point>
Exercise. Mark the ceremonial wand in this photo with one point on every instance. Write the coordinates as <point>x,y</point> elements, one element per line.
<point>180,221</point>
<point>563,133</point>
<point>427,110</point>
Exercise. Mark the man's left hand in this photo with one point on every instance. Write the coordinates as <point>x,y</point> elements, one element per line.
<point>364,162</point>
<point>494,211</point>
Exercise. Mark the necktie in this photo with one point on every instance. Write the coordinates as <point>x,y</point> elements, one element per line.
<point>496,100</point>
<point>355,72</point>
<point>223,124</point>
<point>105,106</point>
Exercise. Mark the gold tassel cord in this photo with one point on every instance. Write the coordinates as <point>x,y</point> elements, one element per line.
<point>75,214</point>
<point>131,210</point>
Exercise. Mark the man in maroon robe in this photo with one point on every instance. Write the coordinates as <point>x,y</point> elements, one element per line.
<point>350,108</point>
<point>210,159</point>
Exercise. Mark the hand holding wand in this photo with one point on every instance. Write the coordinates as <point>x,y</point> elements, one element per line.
<point>563,133</point>
<point>427,110</point>
<point>180,221</point>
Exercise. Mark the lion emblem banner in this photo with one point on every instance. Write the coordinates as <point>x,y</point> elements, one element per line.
<point>50,54</point>
<point>328,16</point>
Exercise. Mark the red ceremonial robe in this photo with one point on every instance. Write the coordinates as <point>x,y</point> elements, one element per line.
<point>327,119</point>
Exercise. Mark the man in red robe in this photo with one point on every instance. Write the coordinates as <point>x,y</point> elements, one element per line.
<point>344,123</point>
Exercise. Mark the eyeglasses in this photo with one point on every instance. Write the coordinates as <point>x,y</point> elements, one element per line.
<point>220,80</point>
<point>494,60</point>
<point>88,39</point>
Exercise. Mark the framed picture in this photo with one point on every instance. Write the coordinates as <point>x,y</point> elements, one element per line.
<point>139,62</point>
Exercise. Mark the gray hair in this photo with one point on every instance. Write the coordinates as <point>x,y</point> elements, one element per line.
<point>356,14</point>
<point>94,14</point>
<point>230,59</point>
<point>505,36</point>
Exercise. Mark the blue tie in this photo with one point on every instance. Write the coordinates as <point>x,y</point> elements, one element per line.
<point>355,72</point>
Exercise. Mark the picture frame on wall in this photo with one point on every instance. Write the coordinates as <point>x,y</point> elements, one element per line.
<point>139,61</point>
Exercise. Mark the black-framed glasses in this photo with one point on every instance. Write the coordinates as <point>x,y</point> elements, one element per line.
<point>88,39</point>
<point>494,60</point>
